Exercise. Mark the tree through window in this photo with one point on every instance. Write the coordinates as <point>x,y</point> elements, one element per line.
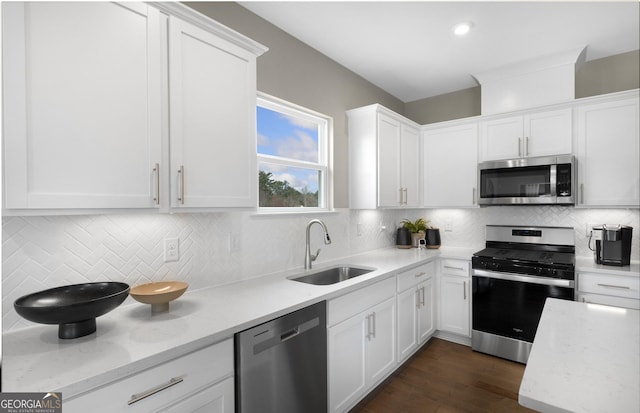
<point>293,156</point>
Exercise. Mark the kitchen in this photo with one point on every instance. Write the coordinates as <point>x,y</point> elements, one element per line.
<point>218,248</point>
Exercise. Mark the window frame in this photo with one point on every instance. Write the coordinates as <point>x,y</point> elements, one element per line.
<point>324,164</point>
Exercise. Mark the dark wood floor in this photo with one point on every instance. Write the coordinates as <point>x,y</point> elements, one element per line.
<point>448,377</point>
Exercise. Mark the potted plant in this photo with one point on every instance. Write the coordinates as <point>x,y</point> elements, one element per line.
<point>417,228</point>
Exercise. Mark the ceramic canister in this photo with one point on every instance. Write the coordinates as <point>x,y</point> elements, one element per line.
<point>403,238</point>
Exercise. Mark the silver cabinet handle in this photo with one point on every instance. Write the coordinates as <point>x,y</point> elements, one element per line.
<point>473,196</point>
<point>373,316</point>
<point>403,196</point>
<point>181,183</point>
<point>156,173</point>
<point>369,329</point>
<point>417,292</point>
<point>137,397</point>
<point>620,287</point>
<point>582,193</point>
<point>519,147</point>
<point>526,146</point>
<point>420,274</point>
<point>422,296</point>
<point>464,290</point>
<point>453,268</point>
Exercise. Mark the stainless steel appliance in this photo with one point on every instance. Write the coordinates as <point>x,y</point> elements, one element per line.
<point>613,244</point>
<point>536,180</point>
<point>512,277</point>
<point>281,365</point>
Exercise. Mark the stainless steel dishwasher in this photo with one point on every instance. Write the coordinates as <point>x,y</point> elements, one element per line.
<point>281,365</point>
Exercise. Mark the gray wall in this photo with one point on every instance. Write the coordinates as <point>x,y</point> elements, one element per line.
<point>596,77</point>
<point>611,74</point>
<point>295,72</point>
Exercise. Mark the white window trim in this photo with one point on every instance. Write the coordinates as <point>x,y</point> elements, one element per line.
<point>325,158</point>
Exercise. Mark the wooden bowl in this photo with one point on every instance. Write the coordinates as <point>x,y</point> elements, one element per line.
<point>158,294</point>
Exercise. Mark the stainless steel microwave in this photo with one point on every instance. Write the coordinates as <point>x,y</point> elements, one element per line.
<point>537,180</point>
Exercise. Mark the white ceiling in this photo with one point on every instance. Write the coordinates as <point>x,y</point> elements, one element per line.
<point>409,50</point>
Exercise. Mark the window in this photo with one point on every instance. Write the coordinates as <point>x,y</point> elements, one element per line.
<point>293,157</point>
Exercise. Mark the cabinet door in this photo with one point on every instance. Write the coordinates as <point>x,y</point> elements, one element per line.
<point>381,341</point>
<point>389,132</point>
<point>450,166</point>
<point>410,166</point>
<point>407,321</point>
<point>454,310</point>
<point>212,131</point>
<point>608,151</point>
<point>347,377</point>
<point>425,310</point>
<point>501,138</point>
<point>548,133</point>
<point>218,398</point>
<point>82,104</point>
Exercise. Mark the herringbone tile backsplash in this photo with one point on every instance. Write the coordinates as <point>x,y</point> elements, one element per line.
<point>218,248</point>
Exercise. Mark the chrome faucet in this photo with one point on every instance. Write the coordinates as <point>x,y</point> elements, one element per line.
<point>308,257</point>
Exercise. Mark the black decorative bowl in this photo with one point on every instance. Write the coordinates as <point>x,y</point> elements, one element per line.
<point>73,307</point>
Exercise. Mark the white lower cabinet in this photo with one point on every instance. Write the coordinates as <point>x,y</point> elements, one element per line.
<point>455,298</point>
<point>218,398</point>
<point>608,289</point>
<point>201,381</point>
<point>361,342</point>
<point>416,308</point>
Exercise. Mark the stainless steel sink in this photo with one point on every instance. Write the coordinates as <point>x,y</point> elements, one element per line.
<point>332,275</point>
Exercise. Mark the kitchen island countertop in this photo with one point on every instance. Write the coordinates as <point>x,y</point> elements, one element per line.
<point>129,339</point>
<point>585,358</point>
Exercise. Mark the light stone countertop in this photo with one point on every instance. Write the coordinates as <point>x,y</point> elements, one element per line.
<point>585,358</point>
<point>129,339</point>
<point>587,264</point>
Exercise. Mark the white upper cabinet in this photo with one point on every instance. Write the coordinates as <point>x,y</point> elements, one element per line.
<point>608,152</point>
<point>108,106</point>
<point>532,134</point>
<point>384,159</point>
<point>212,92</point>
<point>82,117</point>
<point>450,164</point>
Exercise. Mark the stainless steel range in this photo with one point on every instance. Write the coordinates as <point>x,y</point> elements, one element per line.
<point>512,277</point>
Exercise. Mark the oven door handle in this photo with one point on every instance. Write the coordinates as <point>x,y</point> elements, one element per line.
<point>556,282</point>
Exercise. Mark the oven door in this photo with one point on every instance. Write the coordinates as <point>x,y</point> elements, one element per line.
<point>510,305</point>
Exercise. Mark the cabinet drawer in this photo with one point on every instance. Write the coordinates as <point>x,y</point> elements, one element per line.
<point>414,276</point>
<point>607,284</point>
<point>164,384</point>
<point>455,267</point>
<point>349,305</point>
<point>609,300</point>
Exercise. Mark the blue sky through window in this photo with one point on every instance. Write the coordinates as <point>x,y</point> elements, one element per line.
<point>292,138</point>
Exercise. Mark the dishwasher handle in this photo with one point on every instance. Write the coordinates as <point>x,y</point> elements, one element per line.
<point>270,338</point>
<point>289,334</point>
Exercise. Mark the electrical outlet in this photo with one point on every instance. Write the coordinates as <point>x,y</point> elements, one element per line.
<point>233,244</point>
<point>171,249</point>
<point>448,226</point>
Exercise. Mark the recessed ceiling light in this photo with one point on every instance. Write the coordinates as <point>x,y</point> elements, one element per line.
<point>463,28</point>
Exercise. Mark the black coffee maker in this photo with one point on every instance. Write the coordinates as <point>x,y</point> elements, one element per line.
<point>613,244</point>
